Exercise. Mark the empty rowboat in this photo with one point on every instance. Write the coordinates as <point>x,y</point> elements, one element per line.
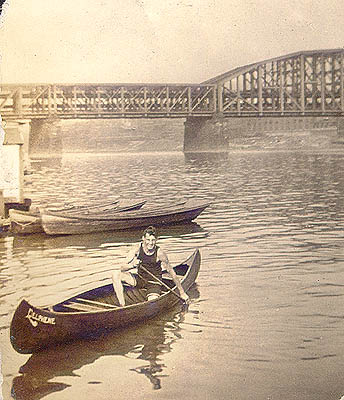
<point>54,224</point>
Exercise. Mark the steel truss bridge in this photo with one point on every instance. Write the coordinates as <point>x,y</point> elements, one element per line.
<point>299,84</point>
<point>106,100</point>
<point>303,83</point>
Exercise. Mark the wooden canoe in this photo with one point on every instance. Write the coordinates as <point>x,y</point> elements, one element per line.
<point>26,222</point>
<point>54,224</point>
<point>93,312</point>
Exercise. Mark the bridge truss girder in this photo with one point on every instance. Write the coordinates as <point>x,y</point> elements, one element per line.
<point>305,83</point>
<point>106,101</point>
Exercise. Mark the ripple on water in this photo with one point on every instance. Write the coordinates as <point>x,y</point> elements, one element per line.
<point>269,289</point>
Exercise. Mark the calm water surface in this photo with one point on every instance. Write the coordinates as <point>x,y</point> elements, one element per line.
<point>267,316</point>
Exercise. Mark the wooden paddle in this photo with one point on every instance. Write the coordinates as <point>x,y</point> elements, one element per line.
<point>162,283</point>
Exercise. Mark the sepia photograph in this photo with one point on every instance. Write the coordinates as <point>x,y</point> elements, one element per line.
<point>171,199</point>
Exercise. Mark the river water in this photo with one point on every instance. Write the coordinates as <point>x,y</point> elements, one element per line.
<point>267,317</point>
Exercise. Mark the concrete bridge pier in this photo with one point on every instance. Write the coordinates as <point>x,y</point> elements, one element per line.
<point>20,130</point>
<point>205,134</point>
<point>222,134</point>
<point>14,161</point>
<point>340,127</point>
<point>45,137</point>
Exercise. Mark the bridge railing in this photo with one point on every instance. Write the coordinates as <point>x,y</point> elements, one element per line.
<point>106,100</point>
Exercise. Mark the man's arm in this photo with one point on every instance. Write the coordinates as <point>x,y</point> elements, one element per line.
<point>131,260</point>
<point>162,256</point>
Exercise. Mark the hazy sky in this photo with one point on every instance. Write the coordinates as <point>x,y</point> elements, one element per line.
<point>157,40</point>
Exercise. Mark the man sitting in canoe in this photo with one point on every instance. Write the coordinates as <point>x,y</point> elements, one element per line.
<point>150,260</point>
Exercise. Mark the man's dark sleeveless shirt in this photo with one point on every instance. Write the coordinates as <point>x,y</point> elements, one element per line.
<point>150,263</point>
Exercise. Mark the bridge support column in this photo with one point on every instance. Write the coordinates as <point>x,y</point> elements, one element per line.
<point>205,134</point>
<point>12,166</point>
<point>45,137</point>
<point>340,127</point>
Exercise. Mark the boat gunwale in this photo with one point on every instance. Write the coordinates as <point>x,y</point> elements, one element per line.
<point>38,213</point>
<point>137,214</point>
<point>116,211</point>
<point>124,208</point>
<point>189,261</point>
<point>84,207</point>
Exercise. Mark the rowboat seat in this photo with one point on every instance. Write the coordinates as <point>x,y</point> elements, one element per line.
<point>81,307</point>
<point>86,305</point>
<point>95,303</point>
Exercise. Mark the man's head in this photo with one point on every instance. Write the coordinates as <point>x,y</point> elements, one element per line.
<point>149,237</point>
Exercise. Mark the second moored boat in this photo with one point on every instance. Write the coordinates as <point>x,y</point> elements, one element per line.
<point>57,224</point>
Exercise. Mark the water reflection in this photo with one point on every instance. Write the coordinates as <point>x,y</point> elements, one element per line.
<point>23,243</point>
<point>272,263</point>
<point>144,342</point>
<point>3,278</point>
<point>206,156</point>
<point>46,162</point>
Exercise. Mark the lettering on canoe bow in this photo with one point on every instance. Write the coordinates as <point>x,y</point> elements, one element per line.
<point>34,318</point>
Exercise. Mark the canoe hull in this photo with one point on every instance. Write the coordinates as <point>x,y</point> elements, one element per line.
<point>57,225</point>
<point>33,329</point>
